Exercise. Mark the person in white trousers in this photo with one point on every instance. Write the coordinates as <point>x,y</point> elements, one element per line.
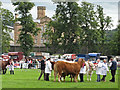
<point>104,70</point>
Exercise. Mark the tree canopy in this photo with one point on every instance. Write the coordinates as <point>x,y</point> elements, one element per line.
<point>7,19</point>
<point>78,29</point>
<point>29,28</point>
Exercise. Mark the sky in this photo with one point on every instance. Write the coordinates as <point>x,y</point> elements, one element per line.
<point>110,7</point>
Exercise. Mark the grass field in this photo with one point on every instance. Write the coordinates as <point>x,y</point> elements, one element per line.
<point>27,78</point>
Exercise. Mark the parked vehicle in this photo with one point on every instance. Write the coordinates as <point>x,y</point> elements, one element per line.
<point>104,57</point>
<point>5,57</point>
<point>94,56</point>
<point>39,55</point>
<point>69,57</point>
<point>118,60</point>
<point>84,56</point>
<point>110,56</point>
<point>16,56</point>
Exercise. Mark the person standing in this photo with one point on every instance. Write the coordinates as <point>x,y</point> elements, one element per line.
<point>82,72</point>
<point>113,68</point>
<point>48,69</point>
<point>11,67</point>
<point>42,68</point>
<point>104,70</point>
<point>98,69</point>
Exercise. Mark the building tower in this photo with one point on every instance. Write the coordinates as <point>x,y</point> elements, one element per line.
<point>41,12</point>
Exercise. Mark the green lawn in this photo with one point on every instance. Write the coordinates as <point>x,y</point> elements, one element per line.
<point>27,78</point>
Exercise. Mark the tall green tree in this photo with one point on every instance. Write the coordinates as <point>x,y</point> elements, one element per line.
<point>75,29</point>
<point>65,26</point>
<point>89,25</point>
<point>105,23</point>
<point>118,38</point>
<point>28,26</point>
<point>7,19</point>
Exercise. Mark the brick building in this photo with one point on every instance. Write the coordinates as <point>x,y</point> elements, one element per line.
<point>41,21</point>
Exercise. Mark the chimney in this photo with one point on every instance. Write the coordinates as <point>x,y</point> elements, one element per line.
<point>41,12</point>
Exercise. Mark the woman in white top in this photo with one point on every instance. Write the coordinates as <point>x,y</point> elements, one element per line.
<point>48,69</point>
<point>104,70</point>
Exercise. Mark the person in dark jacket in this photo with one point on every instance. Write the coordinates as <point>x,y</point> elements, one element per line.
<point>42,69</point>
<point>113,68</point>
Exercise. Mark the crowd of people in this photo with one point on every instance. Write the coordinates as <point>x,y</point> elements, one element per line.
<point>102,68</point>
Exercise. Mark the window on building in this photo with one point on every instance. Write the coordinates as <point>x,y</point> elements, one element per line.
<point>45,41</point>
<point>35,40</point>
<point>42,28</point>
<point>45,28</point>
<point>41,40</point>
<point>41,34</point>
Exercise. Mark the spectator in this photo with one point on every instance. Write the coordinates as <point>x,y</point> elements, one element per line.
<point>104,70</point>
<point>82,72</point>
<point>98,69</point>
<point>11,67</point>
<point>42,68</point>
<point>113,68</point>
<point>48,69</point>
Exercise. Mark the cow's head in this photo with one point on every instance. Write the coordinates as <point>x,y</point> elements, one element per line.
<point>92,66</point>
<point>81,61</point>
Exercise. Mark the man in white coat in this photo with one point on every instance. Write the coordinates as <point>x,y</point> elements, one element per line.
<point>104,70</point>
<point>82,72</point>
<point>98,69</point>
<point>48,69</point>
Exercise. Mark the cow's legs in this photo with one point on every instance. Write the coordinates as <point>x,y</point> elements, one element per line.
<point>55,74</point>
<point>90,76</point>
<point>71,77</point>
<point>64,78</point>
<point>5,70</point>
<point>76,78</point>
<point>59,77</point>
<point>87,77</point>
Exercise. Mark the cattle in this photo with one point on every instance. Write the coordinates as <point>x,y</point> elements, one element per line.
<point>3,65</point>
<point>67,74</point>
<point>63,74</point>
<point>67,68</point>
<point>89,69</point>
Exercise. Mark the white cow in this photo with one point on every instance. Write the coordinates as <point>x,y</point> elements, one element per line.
<point>89,69</point>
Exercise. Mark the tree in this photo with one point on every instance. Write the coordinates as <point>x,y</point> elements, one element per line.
<point>7,19</point>
<point>65,26</point>
<point>76,29</point>
<point>118,38</point>
<point>89,25</point>
<point>94,25</point>
<point>104,24</point>
<point>28,26</point>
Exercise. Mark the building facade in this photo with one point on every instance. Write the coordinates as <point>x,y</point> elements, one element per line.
<point>41,22</point>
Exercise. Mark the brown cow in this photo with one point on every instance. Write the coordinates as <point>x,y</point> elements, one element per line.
<point>3,65</point>
<point>67,68</point>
